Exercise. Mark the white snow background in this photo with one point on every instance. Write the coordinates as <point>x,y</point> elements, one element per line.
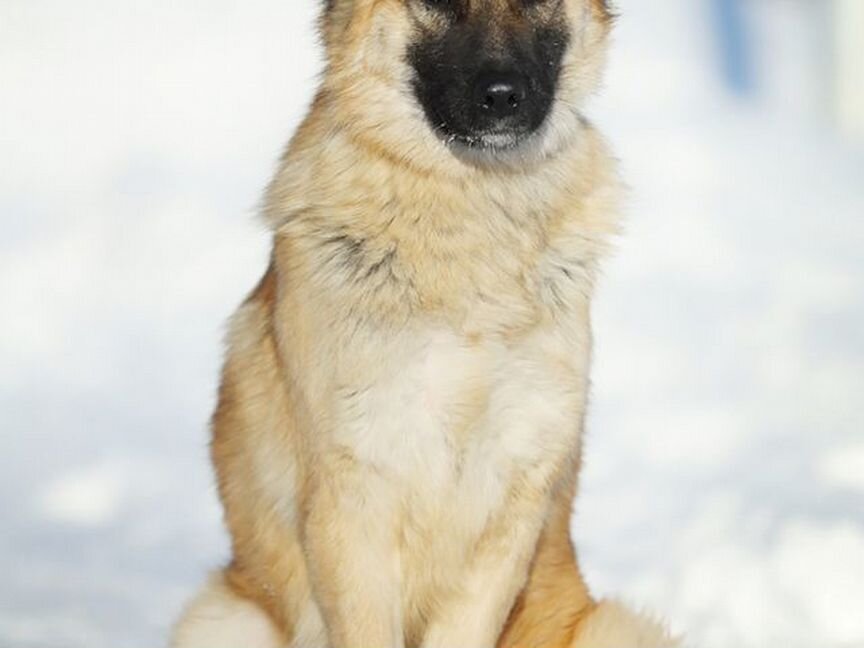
<point>724,476</point>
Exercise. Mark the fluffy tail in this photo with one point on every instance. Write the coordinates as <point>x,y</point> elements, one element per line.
<point>612,625</point>
<point>218,618</point>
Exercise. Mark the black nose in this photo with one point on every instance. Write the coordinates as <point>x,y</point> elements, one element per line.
<point>500,94</point>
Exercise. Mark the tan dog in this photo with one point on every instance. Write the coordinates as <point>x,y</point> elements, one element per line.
<point>398,433</point>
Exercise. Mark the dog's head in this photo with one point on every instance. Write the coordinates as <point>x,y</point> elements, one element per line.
<point>482,80</point>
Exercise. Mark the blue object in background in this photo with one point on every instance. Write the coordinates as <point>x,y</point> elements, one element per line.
<point>735,51</point>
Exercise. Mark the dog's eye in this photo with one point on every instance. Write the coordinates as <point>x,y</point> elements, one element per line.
<point>451,9</point>
<point>440,4</point>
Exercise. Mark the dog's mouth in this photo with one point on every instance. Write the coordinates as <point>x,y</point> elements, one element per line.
<point>501,135</point>
<point>493,140</point>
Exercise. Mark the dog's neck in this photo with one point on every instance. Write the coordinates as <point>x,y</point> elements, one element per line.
<point>326,154</point>
<point>343,208</point>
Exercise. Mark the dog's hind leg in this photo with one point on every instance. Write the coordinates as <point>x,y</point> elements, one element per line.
<point>555,609</point>
<point>219,618</point>
<point>555,598</point>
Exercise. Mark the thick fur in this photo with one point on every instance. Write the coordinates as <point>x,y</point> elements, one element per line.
<point>397,439</point>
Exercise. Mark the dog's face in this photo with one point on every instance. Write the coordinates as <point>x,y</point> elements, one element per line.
<point>484,79</point>
<point>486,73</point>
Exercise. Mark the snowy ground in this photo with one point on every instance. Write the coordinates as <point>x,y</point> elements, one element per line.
<point>724,483</point>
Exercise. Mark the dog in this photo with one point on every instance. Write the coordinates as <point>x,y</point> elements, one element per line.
<point>399,423</point>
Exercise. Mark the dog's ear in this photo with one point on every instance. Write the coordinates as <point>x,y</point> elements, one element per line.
<point>326,18</point>
<point>602,9</point>
<point>336,15</point>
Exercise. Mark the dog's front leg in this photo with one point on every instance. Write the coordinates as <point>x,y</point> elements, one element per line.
<point>475,617</point>
<point>350,548</point>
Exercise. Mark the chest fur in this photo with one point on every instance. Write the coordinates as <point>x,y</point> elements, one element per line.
<point>450,369</point>
<point>439,415</point>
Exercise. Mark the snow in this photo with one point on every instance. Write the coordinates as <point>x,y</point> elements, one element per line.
<point>724,477</point>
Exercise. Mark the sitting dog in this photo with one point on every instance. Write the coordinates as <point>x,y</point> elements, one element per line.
<point>397,438</point>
